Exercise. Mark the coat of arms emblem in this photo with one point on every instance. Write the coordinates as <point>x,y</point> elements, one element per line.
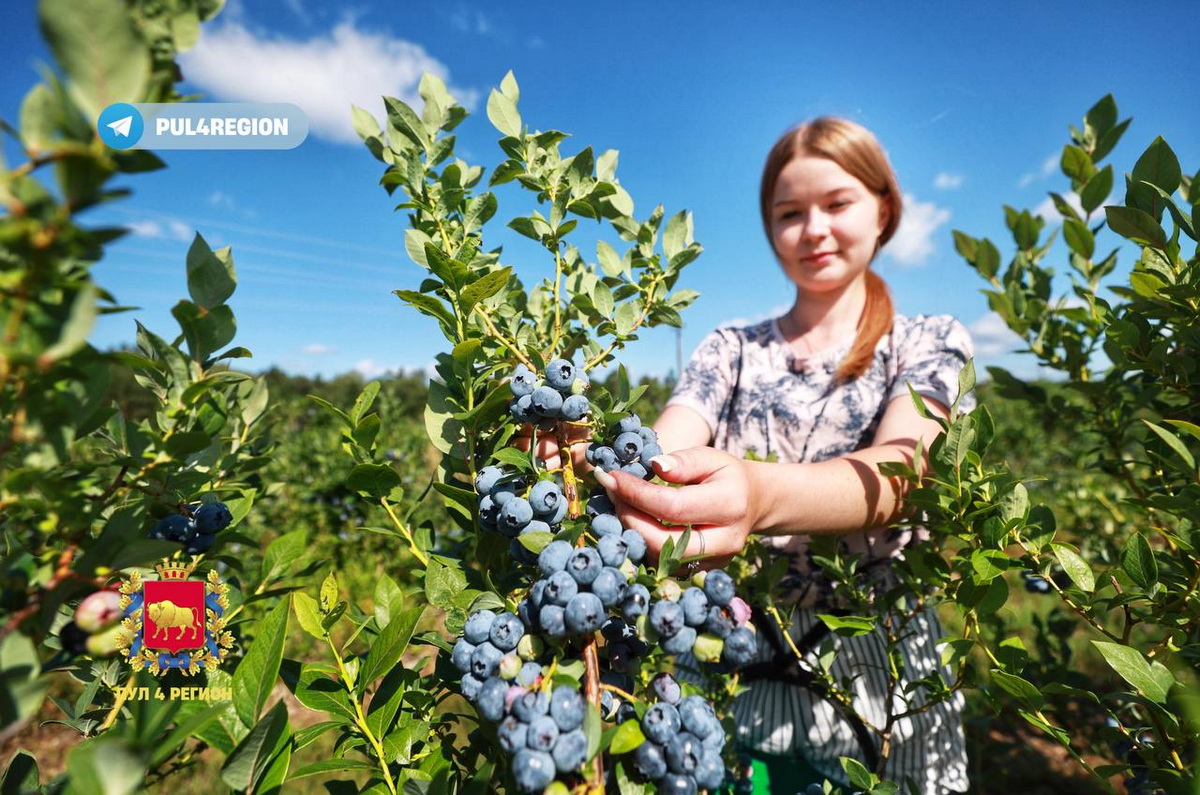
<point>174,621</point>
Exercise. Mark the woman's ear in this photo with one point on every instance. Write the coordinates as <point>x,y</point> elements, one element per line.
<point>885,213</point>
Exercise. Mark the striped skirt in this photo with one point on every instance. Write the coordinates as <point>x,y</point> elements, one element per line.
<point>784,719</point>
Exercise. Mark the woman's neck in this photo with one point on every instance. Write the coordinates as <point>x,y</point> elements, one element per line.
<point>825,319</point>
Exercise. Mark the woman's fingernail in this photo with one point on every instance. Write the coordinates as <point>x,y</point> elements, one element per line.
<point>665,462</point>
<point>605,479</point>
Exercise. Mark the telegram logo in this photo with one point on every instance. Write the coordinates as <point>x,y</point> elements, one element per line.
<point>120,125</point>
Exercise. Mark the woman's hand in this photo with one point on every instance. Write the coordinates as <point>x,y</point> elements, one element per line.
<point>719,499</point>
<point>578,437</point>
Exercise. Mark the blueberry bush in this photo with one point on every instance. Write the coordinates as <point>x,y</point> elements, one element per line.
<point>448,614</point>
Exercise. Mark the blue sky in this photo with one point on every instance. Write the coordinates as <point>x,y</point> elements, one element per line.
<point>971,100</point>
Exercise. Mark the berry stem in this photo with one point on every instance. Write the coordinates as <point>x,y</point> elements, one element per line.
<point>591,693</point>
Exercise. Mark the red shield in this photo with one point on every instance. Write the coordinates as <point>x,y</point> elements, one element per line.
<point>173,615</point>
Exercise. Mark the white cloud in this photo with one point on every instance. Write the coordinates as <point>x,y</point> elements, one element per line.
<point>145,228</point>
<point>993,337</point>
<point>368,368</point>
<point>947,181</point>
<point>323,75</point>
<point>913,242</point>
<point>317,349</point>
<point>773,312</point>
<point>470,20</point>
<point>1049,165</point>
<point>174,230</point>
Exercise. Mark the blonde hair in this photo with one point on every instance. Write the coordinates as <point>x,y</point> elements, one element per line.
<point>856,150</point>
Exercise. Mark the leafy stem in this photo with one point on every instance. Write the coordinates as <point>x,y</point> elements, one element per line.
<point>403,528</point>
<point>360,719</point>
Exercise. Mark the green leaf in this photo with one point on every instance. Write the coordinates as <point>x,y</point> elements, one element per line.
<point>535,542</point>
<point>1075,567</point>
<point>21,775</point>
<point>256,674</point>
<point>988,564</point>
<point>1020,688</point>
<point>443,430</point>
<point>388,647</point>
<point>1174,442</point>
<point>1159,166</point>
<point>105,766</point>
<point>427,305</point>
<point>22,690</point>
<point>39,110</point>
<point>404,120</point>
<point>328,595</point>
<point>362,404</point>
<point>282,554</point>
<point>857,772</point>
<point>610,262</point>
<point>75,331</point>
<point>1096,190</point>
<point>987,259</point>
<point>1137,560</point>
<point>593,728</point>
<point>676,235</point>
<point>1076,163</point>
<point>98,46</point>
<point>443,584</point>
<point>1152,680</point>
<point>1136,225</point>
<point>308,614</point>
<point>627,737</point>
<point>625,318</point>
<point>210,274</point>
<point>1103,115</point>
<point>502,113</point>
<point>848,626</point>
<point>365,124</point>
<point>389,600</point>
<point>332,766</point>
<point>373,480</point>
<point>1079,237</point>
<point>485,287</point>
<point>250,760</point>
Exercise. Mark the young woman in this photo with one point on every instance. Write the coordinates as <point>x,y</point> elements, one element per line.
<point>823,391</point>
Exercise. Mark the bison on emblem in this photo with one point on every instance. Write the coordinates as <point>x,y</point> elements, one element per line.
<point>167,615</point>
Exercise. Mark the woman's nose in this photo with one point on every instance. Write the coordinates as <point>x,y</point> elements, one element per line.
<point>816,226</point>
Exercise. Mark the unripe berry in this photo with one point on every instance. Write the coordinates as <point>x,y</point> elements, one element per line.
<point>98,611</point>
<point>708,648</point>
<point>104,643</point>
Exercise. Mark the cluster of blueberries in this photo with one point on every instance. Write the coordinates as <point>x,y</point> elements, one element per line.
<point>580,584</point>
<point>706,619</point>
<point>684,741</point>
<point>540,726</point>
<point>505,508</point>
<point>543,402</point>
<point>590,587</point>
<point>197,532</point>
<point>635,444</point>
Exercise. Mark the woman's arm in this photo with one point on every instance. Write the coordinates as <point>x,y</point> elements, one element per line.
<point>727,498</point>
<point>680,427</point>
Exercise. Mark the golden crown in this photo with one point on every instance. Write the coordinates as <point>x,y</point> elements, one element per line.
<point>170,570</point>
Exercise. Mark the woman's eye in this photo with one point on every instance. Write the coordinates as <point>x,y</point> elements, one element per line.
<point>839,204</point>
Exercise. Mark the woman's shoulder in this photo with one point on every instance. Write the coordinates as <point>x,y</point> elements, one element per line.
<point>759,332</point>
<point>930,332</point>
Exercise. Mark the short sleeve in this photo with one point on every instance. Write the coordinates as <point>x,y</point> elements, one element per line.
<point>931,354</point>
<point>708,379</point>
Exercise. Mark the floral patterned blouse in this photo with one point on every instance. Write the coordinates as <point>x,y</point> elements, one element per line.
<point>759,397</point>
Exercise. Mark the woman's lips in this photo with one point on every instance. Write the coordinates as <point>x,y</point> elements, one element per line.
<point>820,258</point>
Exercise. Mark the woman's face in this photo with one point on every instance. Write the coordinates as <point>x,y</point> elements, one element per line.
<point>824,224</point>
